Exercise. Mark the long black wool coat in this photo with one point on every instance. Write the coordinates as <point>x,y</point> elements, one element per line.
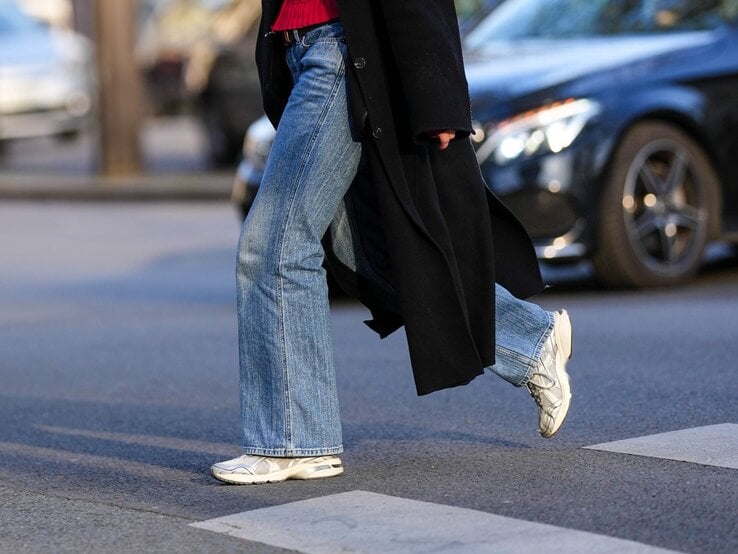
<point>436,237</point>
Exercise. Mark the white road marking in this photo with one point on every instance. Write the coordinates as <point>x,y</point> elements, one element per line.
<point>360,521</point>
<point>713,445</point>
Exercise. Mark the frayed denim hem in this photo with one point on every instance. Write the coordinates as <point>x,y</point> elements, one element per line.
<point>522,363</point>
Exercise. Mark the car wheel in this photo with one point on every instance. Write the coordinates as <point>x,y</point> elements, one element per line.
<point>657,207</point>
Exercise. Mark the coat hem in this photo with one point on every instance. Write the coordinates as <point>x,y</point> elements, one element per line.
<point>427,389</point>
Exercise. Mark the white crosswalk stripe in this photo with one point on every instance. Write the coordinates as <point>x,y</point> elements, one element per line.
<point>360,521</point>
<point>713,445</point>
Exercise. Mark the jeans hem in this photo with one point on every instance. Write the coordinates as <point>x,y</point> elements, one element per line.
<point>527,362</point>
<point>292,452</point>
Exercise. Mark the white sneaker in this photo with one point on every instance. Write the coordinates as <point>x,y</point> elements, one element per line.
<point>251,470</point>
<point>549,386</point>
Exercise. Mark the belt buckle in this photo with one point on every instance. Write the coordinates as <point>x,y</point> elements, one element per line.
<point>292,35</point>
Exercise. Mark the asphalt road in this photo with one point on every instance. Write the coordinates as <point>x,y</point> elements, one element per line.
<point>118,389</point>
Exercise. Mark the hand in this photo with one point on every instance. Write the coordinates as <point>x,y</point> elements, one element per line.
<point>443,137</point>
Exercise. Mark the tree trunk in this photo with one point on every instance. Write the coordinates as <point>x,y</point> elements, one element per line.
<point>120,87</point>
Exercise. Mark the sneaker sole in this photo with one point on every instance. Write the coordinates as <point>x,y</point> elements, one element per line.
<point>296,472</point>
<point>564,342</point>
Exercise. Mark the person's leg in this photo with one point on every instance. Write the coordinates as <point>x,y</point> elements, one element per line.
<point>532,349</point>
<point>289,404</point>
<point>521,328</point>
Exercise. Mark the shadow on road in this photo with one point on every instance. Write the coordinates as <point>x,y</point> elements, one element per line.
<point>721,260</point>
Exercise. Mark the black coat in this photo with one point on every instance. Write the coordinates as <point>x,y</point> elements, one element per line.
<point>434,230</point>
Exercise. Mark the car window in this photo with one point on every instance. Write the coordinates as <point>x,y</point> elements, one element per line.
<point>552,19</point>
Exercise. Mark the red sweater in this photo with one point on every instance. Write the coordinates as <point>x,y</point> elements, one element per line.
<point>295,14</point>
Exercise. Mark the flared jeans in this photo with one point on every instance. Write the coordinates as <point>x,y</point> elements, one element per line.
<point>289,403</point>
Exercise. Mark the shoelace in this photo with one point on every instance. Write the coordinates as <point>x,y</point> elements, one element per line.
<point>537,390</point>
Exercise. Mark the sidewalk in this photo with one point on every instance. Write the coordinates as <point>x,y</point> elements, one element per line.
<point>174,155</point>
<point>207,186</point>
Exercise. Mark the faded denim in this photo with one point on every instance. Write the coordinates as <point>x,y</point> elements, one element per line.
<point>289,403</point>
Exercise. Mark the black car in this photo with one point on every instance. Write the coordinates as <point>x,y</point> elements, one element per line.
<point>609,127</point>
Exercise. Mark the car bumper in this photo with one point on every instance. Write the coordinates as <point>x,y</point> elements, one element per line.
<point>555,196</point>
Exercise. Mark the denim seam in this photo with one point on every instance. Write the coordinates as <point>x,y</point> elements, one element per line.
<point>290,205</point>
<point>287,421</point>
<point>292,452</point>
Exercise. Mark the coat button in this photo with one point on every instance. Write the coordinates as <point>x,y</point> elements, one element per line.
<point>359,63</point>
<point>377,133</point>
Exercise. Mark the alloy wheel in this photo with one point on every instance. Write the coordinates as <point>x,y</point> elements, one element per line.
<point>664,213</point>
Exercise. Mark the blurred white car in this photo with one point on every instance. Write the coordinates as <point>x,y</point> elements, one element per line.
<point>256,146</point>
<point>47,84</point>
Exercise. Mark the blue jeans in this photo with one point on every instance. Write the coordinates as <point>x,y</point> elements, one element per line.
<point>289,403</point>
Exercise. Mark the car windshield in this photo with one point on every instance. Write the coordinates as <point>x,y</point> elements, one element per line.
<point>14,21</point>
<point>558,19</point>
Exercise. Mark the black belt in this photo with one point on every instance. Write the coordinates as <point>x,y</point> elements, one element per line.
<point>296,35</point>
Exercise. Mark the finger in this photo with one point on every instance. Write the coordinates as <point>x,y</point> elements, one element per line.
<point>443,137</point>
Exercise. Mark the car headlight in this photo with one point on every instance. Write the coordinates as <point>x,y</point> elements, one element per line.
<point>548,129</point>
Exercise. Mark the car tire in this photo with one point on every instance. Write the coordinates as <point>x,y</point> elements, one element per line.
<point>658,208</point>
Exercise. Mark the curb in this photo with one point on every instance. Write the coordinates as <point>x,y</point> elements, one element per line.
<point>214,187</point>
